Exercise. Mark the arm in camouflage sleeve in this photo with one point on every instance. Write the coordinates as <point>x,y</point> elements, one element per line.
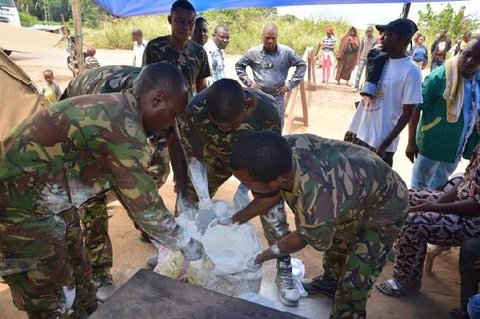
<point>177,159</point>
<point>147,56</point>
<point>289,244</point>
<point>145,207</point>
<point>256,207</point>
<point>319,236</point>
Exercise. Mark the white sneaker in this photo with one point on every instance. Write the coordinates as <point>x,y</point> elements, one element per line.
<point>104,287</point>
<point>287,291</point>
<point>152,261</point>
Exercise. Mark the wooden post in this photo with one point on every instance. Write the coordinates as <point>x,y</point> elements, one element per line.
<point>77,23</point>
<point>290,99</point>
<point>312,79</point>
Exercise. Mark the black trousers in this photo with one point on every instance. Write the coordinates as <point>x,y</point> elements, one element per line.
<point>387,157</point>
<point>469,253</point>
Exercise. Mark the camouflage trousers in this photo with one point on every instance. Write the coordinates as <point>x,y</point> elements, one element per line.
<point>356,259</point>
<point>49,274</point>
<point>274,222</point>
<point>94,216</point>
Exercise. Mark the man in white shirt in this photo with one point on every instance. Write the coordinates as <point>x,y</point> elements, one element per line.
<point>215,48</point>
<point>378,121</point>
<point>139,45</point>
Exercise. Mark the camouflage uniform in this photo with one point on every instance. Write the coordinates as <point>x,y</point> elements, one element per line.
<point>105,79</point>
<point>192,61</point>
<point>50,165</point>
<point>94,214</point>
<point>200,136</point>
<point>349,203</point>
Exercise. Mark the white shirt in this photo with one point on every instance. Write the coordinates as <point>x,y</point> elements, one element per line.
<point>215,60</point>
<point>138,50</point>
<point>400,83</point>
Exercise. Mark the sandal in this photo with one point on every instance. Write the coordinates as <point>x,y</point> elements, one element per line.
<point>391,288</point>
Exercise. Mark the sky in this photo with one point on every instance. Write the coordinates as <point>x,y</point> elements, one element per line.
<point>361,15</point>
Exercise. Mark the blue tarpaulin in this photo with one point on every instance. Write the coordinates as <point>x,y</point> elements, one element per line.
<point>126,8</point>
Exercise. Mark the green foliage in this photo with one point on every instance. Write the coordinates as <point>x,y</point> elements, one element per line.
<point>116,33</point>
<point>430,23</point>
<point>27,20</point>
<point>52,10</point>
<point>245,25</point>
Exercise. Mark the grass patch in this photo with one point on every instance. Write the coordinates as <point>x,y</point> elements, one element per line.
<point>245,25</point>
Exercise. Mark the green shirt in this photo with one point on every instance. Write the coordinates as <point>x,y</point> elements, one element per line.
<point>436,138</point>
<point>61,157</point>
<point>338,185</point>
<point>191,61</point>
<point>199,135</point>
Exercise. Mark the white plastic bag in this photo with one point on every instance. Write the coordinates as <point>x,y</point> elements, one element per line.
<point>298,272</point>
<point>228,250</point>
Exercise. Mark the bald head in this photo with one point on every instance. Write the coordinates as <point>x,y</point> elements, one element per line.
<point>469,58</point>
<point>221,36</point>
<point>225,100</point>
<point>270,37</point>
<point>270,27</point>
<point>221,28</point>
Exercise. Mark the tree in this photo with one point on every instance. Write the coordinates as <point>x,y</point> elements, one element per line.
<point>430,22</point>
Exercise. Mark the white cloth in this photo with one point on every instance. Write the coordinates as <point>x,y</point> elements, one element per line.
<point>138,49</point>
<point>400,83</point>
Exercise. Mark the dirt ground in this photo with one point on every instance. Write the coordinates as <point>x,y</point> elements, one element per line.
<point>330,108</point>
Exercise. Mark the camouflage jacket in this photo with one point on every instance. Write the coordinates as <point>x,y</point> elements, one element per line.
<point>61,157</point>
<point>192,61</point>
<point>199,135</point>
<point>338,185</point>
<point>105,79</point>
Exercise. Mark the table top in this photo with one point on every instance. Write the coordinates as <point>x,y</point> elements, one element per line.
<point>150,295</point>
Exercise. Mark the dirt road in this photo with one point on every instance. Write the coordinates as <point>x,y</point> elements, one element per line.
<point>330,110</point>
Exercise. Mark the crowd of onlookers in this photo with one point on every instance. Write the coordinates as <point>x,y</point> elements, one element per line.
<point>351,205</point>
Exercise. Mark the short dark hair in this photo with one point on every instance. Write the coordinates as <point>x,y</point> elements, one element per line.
<point>182,4</point>
<point>160,75</point>
<point>225,100</point>
<point>265,155</point>
<point>200,19</point>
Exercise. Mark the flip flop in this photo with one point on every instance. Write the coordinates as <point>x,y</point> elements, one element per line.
<point>391,288</point>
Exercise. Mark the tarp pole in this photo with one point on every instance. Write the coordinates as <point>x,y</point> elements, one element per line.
<point>406,10</point>
<point>77,23</point>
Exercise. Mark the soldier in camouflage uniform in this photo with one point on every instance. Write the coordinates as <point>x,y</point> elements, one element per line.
<point>94,213</point>
<point>216,119</point>
<point>58,159</point>
<point>177,48</point>
<point>191,59</point>
<point>104,79</point>
<point>346,201</point>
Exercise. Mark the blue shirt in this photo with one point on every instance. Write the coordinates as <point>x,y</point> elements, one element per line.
<point>419,53</point>
<point>270,69</point>
<point>471,103</point>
